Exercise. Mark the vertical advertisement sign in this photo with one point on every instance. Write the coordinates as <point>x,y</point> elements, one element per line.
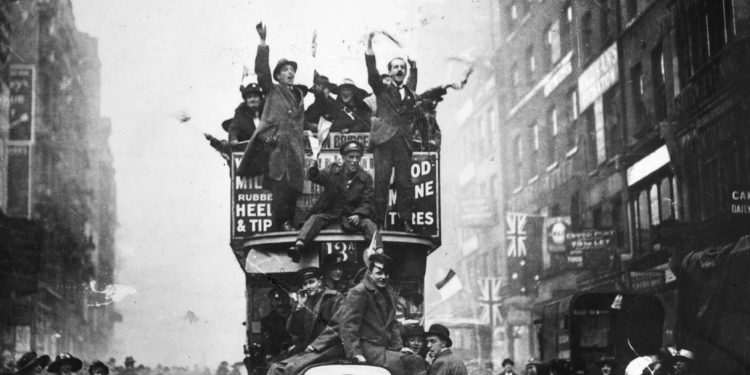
<point>425,174</point>
<point>21,111</point>
<point>19,180</point>
<point>251,204</point>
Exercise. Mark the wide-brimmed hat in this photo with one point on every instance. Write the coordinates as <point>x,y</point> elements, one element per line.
<point>282,63</point>
<point>225,124</point>
<point>29,360</point>
<point>684,355</point>
<point>251,88</point>
<point>65,358</point>
<point>413,329</point>
<point>606,359</point>
<point>441,331</point>
<point>333,259</point>
<point>348,83</point>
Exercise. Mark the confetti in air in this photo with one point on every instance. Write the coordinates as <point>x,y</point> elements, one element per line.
<point>110,294</point>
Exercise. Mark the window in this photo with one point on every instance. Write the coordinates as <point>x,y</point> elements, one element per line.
<point>611,116</point>
<point>606,19</point>
<point>658,72</point>
<point>551,135</point>
<point>572,112</point>
<point>535,136</point>
<point>530,64</point>
<point>552,44</point>
<point>636,93</point>
<point>589,125</point>
<point>518,156</point>
<point>566,29</point>
<point>534,139</point>
<point>631,7</point>
<point>654,202</point>
<point>515,83</point>
<point>511,16</point>
<point>587,36</point>
<point>704,27</point>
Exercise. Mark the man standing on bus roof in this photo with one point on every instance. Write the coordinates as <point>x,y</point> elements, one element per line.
<point>444,361</point>
<point>391,135</point>
<point>281,127</point>
<point>347,198</point>
<point>368,327</point>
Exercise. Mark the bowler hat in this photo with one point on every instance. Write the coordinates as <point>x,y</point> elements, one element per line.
<point>29,360</point>
<point>411,330</point>
<point>333,259</point>
<point>62,359</point>
<point>439,330</point>
<point>310,272</point>
<point>251,88</point>
<point>352,146</point>
<point>225,124</point>
<point>282,63</point>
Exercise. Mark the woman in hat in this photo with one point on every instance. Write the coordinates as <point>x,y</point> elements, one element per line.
<point>65,364</point>
<point>246,116</point>
<point>350,113</point>
<point>31,364</point>
<point>334,272</point>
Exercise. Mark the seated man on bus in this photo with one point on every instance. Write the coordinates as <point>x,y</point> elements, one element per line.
<point>347,198</point>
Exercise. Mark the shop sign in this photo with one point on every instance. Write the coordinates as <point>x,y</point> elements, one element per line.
<point>739,201</point>
<point>590,239</point>
<point>598,77</point>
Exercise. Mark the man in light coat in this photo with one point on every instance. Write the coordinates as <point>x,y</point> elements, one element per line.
<point>281,127</point>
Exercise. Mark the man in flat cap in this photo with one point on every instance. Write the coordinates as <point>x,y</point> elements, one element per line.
<point>281,128</point>
<point>444,361</point>
<point>31,364</point>
<point>273,326</point>
<point>347,198</point>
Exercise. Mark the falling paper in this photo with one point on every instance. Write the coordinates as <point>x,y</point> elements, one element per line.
<point>111,293</point>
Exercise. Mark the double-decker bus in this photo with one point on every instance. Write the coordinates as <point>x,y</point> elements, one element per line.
<point>262,253</point>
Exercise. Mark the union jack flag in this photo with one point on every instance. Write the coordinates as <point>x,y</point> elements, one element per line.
<point>516,235</point>
<point>490,301</point>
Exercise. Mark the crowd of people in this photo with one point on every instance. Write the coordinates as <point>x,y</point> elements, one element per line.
<point>31,363</point>
<point>271,124</point>
<point>669,361</point>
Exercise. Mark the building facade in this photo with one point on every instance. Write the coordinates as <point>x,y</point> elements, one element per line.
<point>58,188</point>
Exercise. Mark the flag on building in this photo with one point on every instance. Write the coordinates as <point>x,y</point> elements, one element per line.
<point>449,286</point>
<point>524,237</point>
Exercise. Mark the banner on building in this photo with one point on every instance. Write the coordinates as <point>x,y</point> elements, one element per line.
<point>557,229</point>
<point>21,80</point>
<point>739,201</point>
<point>524,236</point>
<point>590,247</point>
<point>251,203</point>
<point>335,140</point>
<point>490,301</point>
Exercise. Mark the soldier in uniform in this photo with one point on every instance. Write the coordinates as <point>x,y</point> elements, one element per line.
<point>347,198</point>
<point>273,326</point>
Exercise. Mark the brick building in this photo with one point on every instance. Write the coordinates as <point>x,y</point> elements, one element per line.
<point>59,196</point>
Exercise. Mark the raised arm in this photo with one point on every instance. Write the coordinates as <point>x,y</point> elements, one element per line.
<point>373,76</point>
<point>262,68</point>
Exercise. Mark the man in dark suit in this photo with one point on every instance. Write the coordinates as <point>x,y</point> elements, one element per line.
<point>444,361</point>
<point>391,134</point>
<point>347,198</point>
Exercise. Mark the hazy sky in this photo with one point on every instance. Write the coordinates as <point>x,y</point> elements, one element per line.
<point>162,57</point>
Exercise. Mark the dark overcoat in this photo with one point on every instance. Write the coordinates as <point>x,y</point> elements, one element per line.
<point>307,323</point>
<point>336,199</point>
<point>447,363</point>
<point>393,116</point>
<point>281,126</point>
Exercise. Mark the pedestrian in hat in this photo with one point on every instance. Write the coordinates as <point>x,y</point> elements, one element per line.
<point>535,367</point>
<point>98,368</point>
<point>334,272</point>
<point>413,339</point>
<point>31,364</point>
<point>391,137</point>
<point>281,129</point>
<point>274,336</point>
<point>507,365</point>
<point>65,364</point>
<point>606,364</point>
<point>347,199</point>
<point>349,112</point>
<point>444,361</point>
